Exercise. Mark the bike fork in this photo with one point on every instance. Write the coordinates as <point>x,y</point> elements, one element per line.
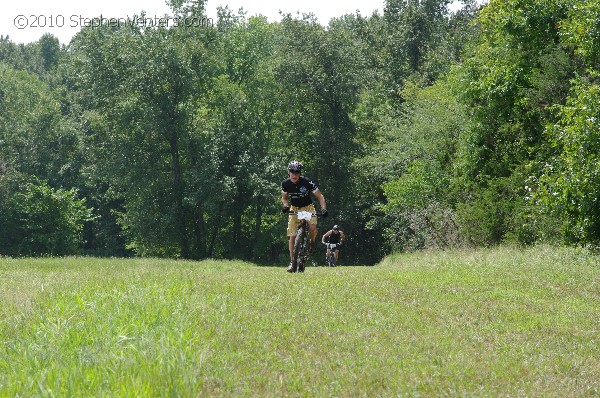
<point>301,248</point>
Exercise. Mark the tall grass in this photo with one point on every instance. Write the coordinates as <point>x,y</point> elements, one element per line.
<point>499,322</point>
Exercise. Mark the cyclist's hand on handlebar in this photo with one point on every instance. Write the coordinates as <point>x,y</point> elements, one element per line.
<point>324,213</point>
<point>285,209</point>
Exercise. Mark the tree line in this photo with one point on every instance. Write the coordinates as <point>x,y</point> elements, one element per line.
<point>423,127</point>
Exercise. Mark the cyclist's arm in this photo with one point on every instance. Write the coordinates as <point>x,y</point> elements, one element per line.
<point>321,199</point>
<point>284,199</point>
<point>325,235</point>
<point>342,237</point>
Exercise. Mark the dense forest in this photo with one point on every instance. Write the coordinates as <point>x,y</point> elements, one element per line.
<point>423,127</point>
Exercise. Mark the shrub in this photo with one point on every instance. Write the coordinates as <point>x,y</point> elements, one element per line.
<point>41,220</point>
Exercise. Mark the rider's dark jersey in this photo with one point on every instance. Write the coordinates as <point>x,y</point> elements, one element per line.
<point>334,238</point>
<point>299,193</point>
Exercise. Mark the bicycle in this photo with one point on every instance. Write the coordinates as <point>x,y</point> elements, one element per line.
<point>330,260</point>
<point>302,242</point>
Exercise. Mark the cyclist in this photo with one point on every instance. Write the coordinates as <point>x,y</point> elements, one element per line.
<point>295,196</point>
<point>336,236</point>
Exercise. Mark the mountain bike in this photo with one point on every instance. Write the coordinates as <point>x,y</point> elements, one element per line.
<point>302,242</point>
<point>330,260</point>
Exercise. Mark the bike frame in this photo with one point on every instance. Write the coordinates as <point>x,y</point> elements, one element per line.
<point>331,258</point>
<point>301,243</point>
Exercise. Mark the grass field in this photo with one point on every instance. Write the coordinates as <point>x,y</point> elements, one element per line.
<point>498,322</point>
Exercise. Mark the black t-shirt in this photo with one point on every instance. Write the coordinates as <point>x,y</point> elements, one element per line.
<point>299,193</point>
<point>334,238</point>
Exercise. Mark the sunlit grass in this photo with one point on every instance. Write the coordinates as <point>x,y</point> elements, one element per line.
<point>501,322</point>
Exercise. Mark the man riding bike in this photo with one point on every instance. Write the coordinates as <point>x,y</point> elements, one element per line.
<point>333,236</point>
<point>295,191</point>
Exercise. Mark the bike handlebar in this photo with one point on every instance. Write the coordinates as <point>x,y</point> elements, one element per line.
<point>314,214</point>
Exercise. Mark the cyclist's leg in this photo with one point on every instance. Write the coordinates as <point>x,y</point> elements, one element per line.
<point>291,247</point>
<point>336,252</point>
<point>312,230</point>
<point>292,228</point>
<point>312,225</point>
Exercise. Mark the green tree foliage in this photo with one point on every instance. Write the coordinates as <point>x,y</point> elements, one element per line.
<point>423,128</point>
<point>581,31</point>
<point>238,128</point>
<point>187,137</point>
<point>34,139</point>
<point>51,219</point>
<point>417,152</point>
<point>413,29</point>
<point>322,72</point>
<point>571,181</point>
<point>515,70</point>
<point>531,86</point>
<point>37,219</point>
<point>141,86</point>
<point>10,237</point>
<point>410,131</point>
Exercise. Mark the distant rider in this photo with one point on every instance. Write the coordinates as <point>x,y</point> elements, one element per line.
<point>333,236</point>
<point>297,189</point>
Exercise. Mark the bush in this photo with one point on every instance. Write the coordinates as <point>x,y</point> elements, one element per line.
<point>38,219</point>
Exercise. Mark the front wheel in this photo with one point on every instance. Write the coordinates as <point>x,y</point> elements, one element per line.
<point>331,259</point>
<point>299,249</point>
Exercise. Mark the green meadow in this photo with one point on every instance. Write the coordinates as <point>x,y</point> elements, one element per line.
<point>496,322</point>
